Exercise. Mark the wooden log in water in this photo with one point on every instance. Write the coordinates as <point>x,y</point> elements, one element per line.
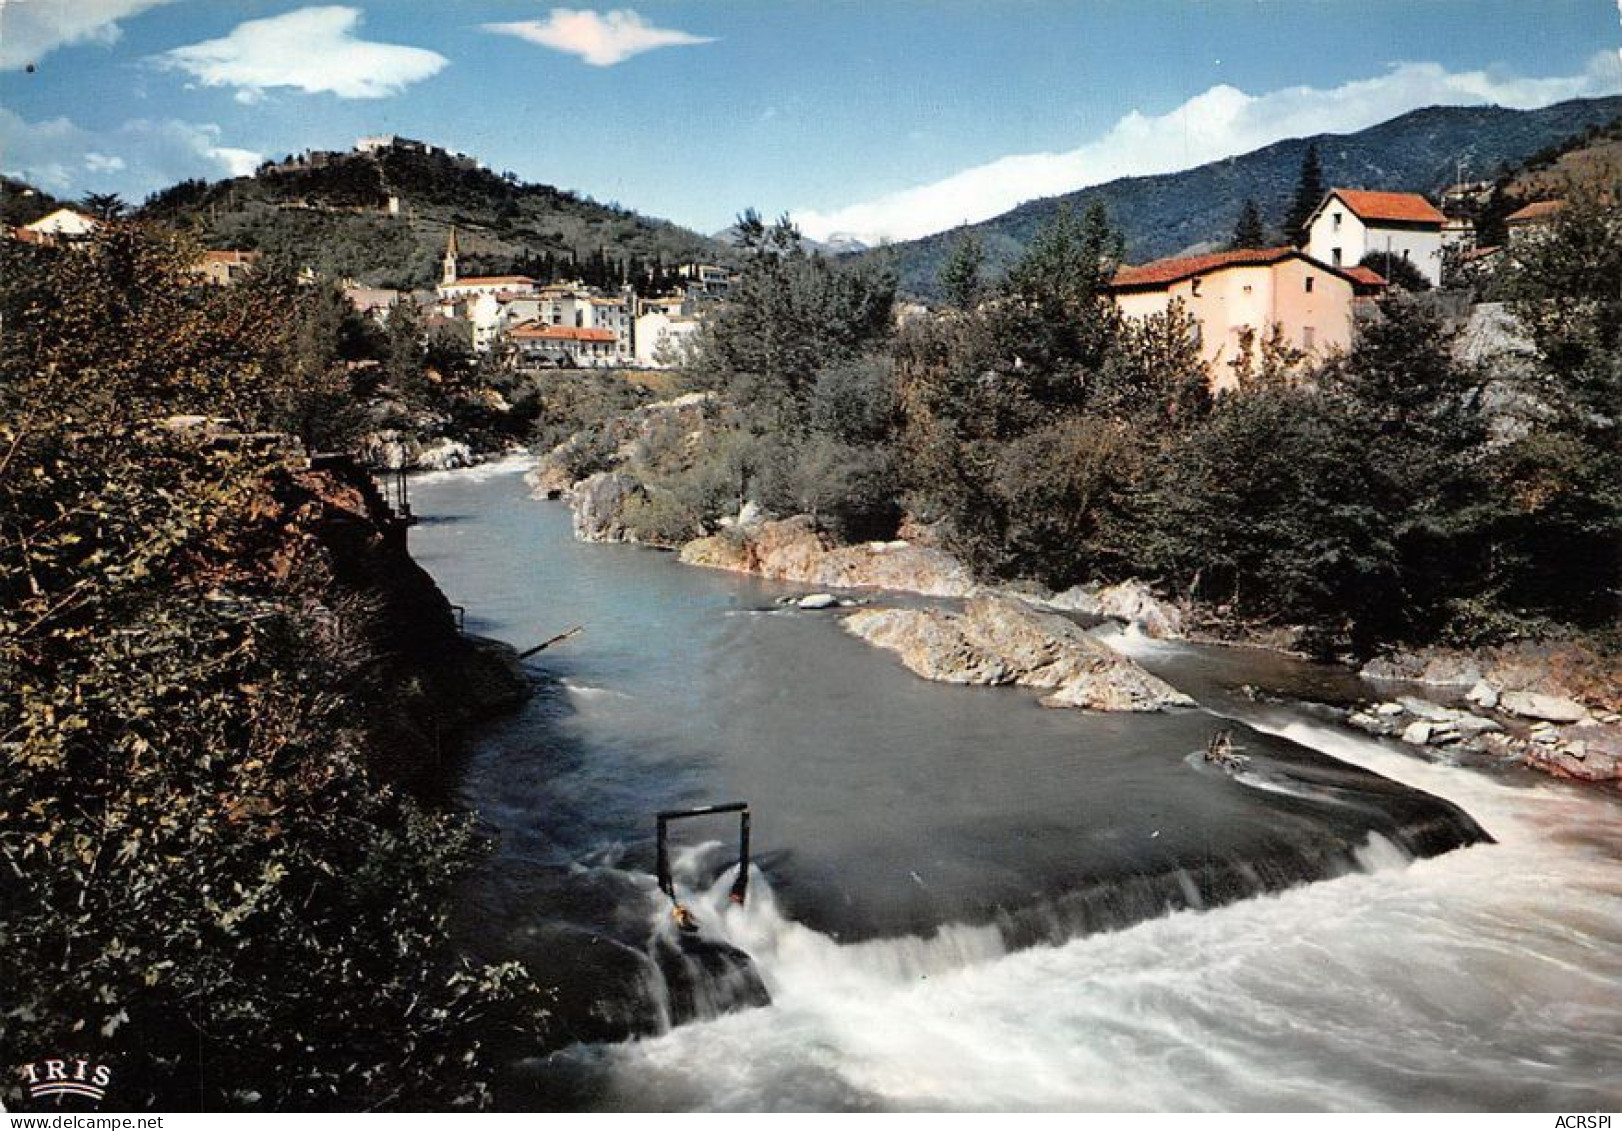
<point>545,644</point>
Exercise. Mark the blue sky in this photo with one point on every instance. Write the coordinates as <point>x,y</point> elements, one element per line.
<point>883,118</point>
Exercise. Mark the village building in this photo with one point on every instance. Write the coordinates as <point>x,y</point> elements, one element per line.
<point>1350,224</point>
<point>1233,294</point>
<point>65,225</point>
<point>1531,219</point>
<point>495,308</point>
<point>707,283</point>
<point>222,268</point>
<point>582,347</point>
<point>373,302</point>
<point>663,339</point>
<point>672,306</point>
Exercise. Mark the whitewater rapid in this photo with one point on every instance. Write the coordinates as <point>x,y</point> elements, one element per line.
<point>1488,978</point>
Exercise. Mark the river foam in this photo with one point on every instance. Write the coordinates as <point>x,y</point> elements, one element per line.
<point>1486,978</point>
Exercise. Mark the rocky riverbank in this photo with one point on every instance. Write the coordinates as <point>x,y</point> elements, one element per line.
<point>1554,708</point>
<point>425,680</point>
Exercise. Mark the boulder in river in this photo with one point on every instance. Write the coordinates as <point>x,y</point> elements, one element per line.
<point>1550,708</point>
<point>793,549</point>
<point>1445,669</point>
<point>1133,602</point>
<point>998,640</point>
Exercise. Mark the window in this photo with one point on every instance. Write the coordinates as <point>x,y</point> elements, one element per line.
<point>1334,221</point>
<point>1309,284</point>
<point>1405,253</point>
<point>1334,257</point>
<point>1194,287</point>
<point>1247,288</point>
<point>1309,337</point>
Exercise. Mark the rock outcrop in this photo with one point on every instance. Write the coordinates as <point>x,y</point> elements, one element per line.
<point>1000,641</point>
<point>598,504</point>
<point>622,440</point>
<point>793,550</point>
<point>1130,601</point>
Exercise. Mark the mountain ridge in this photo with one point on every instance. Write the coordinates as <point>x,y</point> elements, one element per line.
<point>1168,213</point>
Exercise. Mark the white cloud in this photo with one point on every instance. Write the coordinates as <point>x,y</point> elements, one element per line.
<point>133,159</point>
<point>600,40</point>
<point>1218,123</point>
<point>310,49</point>
<point>32,29</point>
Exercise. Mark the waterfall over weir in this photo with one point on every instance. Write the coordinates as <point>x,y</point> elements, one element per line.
<point>964,900</point>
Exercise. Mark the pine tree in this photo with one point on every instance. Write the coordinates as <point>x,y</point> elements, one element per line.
<point>1248,231</point>
<point>1309,190</point>
<point>960,275</point>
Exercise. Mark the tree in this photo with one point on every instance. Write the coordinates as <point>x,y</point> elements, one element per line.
<point>1396,270</point>
<point>787,317</point>
<point>1068,261</point>
<point>104,205</point>
<point>1309,191</point>
<point>960,275</point>
<point>405,351</point>
<point>1248,231</point>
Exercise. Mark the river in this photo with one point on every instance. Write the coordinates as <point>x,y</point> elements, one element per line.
<point>961,900</point>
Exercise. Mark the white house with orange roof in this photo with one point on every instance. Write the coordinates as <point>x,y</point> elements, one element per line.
<point>1234,293</point>
<point>1351,223</point>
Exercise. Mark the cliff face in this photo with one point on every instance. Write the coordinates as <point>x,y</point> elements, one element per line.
<point>422,680</point>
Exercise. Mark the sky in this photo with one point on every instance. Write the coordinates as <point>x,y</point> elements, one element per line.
<point>877,119</point>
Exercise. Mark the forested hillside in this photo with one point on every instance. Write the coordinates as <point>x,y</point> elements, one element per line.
<point>336,218</point>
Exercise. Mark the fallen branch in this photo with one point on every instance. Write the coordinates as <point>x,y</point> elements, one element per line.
<point>559,638</point>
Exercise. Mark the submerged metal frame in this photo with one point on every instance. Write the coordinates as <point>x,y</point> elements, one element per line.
<point>740,886</point>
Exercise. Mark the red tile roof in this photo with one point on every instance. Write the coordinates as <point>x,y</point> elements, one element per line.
<point>230,257</point>
<point>1398,207</point>
<point>564,333</point>
<point>1534,212</point>
<point>490,281</point>
<point>1165,271</point>
<point>1367,276</point>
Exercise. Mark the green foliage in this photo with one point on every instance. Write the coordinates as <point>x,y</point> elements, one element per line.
<point>1309,192</point>
<point>1399,272</point>
<point>1354,503</point>
<point>1248,229</point>
<point>204,882</point>
<point>567,403</point>
<point>787,317</point>
<point>1565,476</point>
<point>960,275</point>
<point>23,203</point>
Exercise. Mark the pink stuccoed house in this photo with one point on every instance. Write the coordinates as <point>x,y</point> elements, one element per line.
<point>1231,292</point>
